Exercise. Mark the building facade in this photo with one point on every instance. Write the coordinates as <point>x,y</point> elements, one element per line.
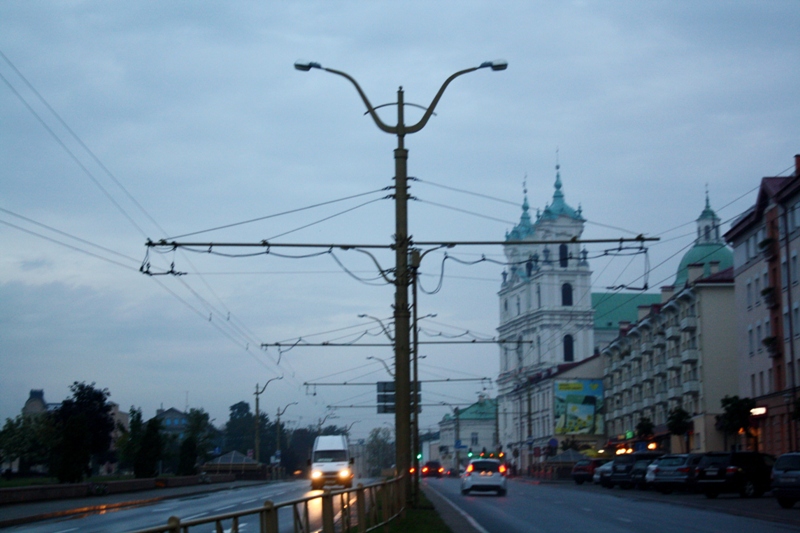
<point>473,429</point>
<point>546,316</point>
<point>766,242</point>
<point>678,353</point>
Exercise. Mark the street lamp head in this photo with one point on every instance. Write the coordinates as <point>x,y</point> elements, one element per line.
<point>305,66</point>
<point>497,64</point>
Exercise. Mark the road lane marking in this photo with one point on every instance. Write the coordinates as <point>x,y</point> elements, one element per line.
<point>249,501</point>
<point>586,509</point>
<point>195,516</point>
<point>67,530</point>
<point>225,507</point>
<point>628,520</point>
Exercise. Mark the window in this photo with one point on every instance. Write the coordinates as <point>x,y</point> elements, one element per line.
<point>569,354</point>
<point>566,294</point>
<point>563,256</point>
<point>749,294</point>
<point>473,439</point>
<point>757,290</point>
<point>752,385</point>
<point>750,339</point>
<point>794,268</point>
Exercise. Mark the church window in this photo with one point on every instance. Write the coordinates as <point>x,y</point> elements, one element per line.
<point>569,354</point>
<point>563,256</point>
<point>566,294</point>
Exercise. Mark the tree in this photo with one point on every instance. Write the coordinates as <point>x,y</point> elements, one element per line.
<point>130,441</point>
<point>735,417</point>
<point>199,428</point>
<point>679,422</point>
<point>150,450</point>
<point>83,432</point>
<point>380,450</point>
<point>27,438</point>
<point>187,459</point>
<point>645,428</point>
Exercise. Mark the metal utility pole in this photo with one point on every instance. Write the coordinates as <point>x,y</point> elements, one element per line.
<point>258,434</point>
<point>401,307</point>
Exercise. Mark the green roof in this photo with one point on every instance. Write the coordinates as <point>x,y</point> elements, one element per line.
<point>704,253</point>
<point>611,308</point>
<point>481,410</point>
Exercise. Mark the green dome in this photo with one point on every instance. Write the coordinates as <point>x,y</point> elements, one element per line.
<point>704,253</point>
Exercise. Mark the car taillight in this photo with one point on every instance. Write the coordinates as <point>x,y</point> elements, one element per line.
<point>502,470</point>
<point>733,470</point>
<point>656,470</point>
<point>470,468</point>
<point>441,469</point>
<point>424,469</point>
<point>684,470</point>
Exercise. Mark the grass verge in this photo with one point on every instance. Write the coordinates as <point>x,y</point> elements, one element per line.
<point>422,519</point>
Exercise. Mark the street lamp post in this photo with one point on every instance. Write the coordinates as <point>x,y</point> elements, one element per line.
<point>258,436</point>
<point>402,241</point>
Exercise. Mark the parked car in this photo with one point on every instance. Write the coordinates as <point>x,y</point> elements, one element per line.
<point>676,472</point>
<point>747,473</point>
<point>602,473</point>
<point>432,469</point>
<point>584,469</point>
<point>786,480</point>
<point>484,475</point>
<point>623,466</point>
<point>650,476</point>
<point>639,473</point>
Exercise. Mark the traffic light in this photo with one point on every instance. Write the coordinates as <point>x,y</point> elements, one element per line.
<point>419,457</point>
<point>469,453</point>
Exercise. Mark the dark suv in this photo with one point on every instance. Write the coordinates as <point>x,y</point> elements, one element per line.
<point>747,473</point>
<point>432,469</point>
<point>786,480</point>
<point>623,467</point>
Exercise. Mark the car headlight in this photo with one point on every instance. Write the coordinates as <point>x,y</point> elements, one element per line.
<point>344,472</point>
<point>316,474</point>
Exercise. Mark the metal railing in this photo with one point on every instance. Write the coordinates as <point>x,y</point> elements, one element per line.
<point>362,509</point>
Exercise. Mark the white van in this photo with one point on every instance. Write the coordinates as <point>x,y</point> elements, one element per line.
<point>330,462</point>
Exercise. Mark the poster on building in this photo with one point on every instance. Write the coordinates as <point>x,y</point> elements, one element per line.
<point>578,407</point>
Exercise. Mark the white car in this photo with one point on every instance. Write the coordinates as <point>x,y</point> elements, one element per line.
<point>604,469</point>
<point>484,475</point>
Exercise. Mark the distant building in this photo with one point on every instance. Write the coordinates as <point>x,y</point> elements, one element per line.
<point>473,428</point>
<point>766,243</point>
<point>35,404</point>
<point>173,422</point>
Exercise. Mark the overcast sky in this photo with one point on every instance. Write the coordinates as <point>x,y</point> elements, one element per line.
<point>196,119</point>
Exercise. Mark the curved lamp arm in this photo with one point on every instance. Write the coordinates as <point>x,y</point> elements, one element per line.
<point>370,109</point>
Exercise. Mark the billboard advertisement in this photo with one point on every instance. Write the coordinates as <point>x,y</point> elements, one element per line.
<point>578,407</point>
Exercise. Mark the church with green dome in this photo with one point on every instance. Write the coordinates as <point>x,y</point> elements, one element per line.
<point>708,248</point>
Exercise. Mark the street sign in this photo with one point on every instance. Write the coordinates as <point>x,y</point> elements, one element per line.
<point>459,445</point>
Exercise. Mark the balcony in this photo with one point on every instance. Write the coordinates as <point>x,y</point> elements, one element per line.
<point>674,362</point>
<point>646,348</point>
<point>675,392</point>
<point>661,397</point>
<point>770,297</point>
<point>659,341</point>
<point>659,369</point>
<point>647,375</point>
<point>648,401</point>
<point>636,406</point>
<point>673,333</point>
<point>636,355</point>
<point>691,387</point>
<point>773,345</point>
<point>689,355</point>
<point>626,384</point>
<point>689,323</point>
<point>767,247</point>
<point>614,365</point>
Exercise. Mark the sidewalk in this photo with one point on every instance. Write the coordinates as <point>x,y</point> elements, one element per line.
<point>25,513</point>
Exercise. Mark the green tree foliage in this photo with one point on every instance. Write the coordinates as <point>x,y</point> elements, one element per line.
<point>27,438</point>
<point>83,426</point>
<point>679,421</point>
<point>240,431</point>
<point>645,428</point>
<point>150,450</point>
<point>199,428</point>
<point>188,457</point>
<point>380,450</point>
<point>296,448</point>
<point>71,455</point>
<point>130,441</point>
<point>735,416</point>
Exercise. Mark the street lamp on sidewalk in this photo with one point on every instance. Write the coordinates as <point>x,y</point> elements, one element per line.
<point>402,241</point>
<point>258,435</point>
